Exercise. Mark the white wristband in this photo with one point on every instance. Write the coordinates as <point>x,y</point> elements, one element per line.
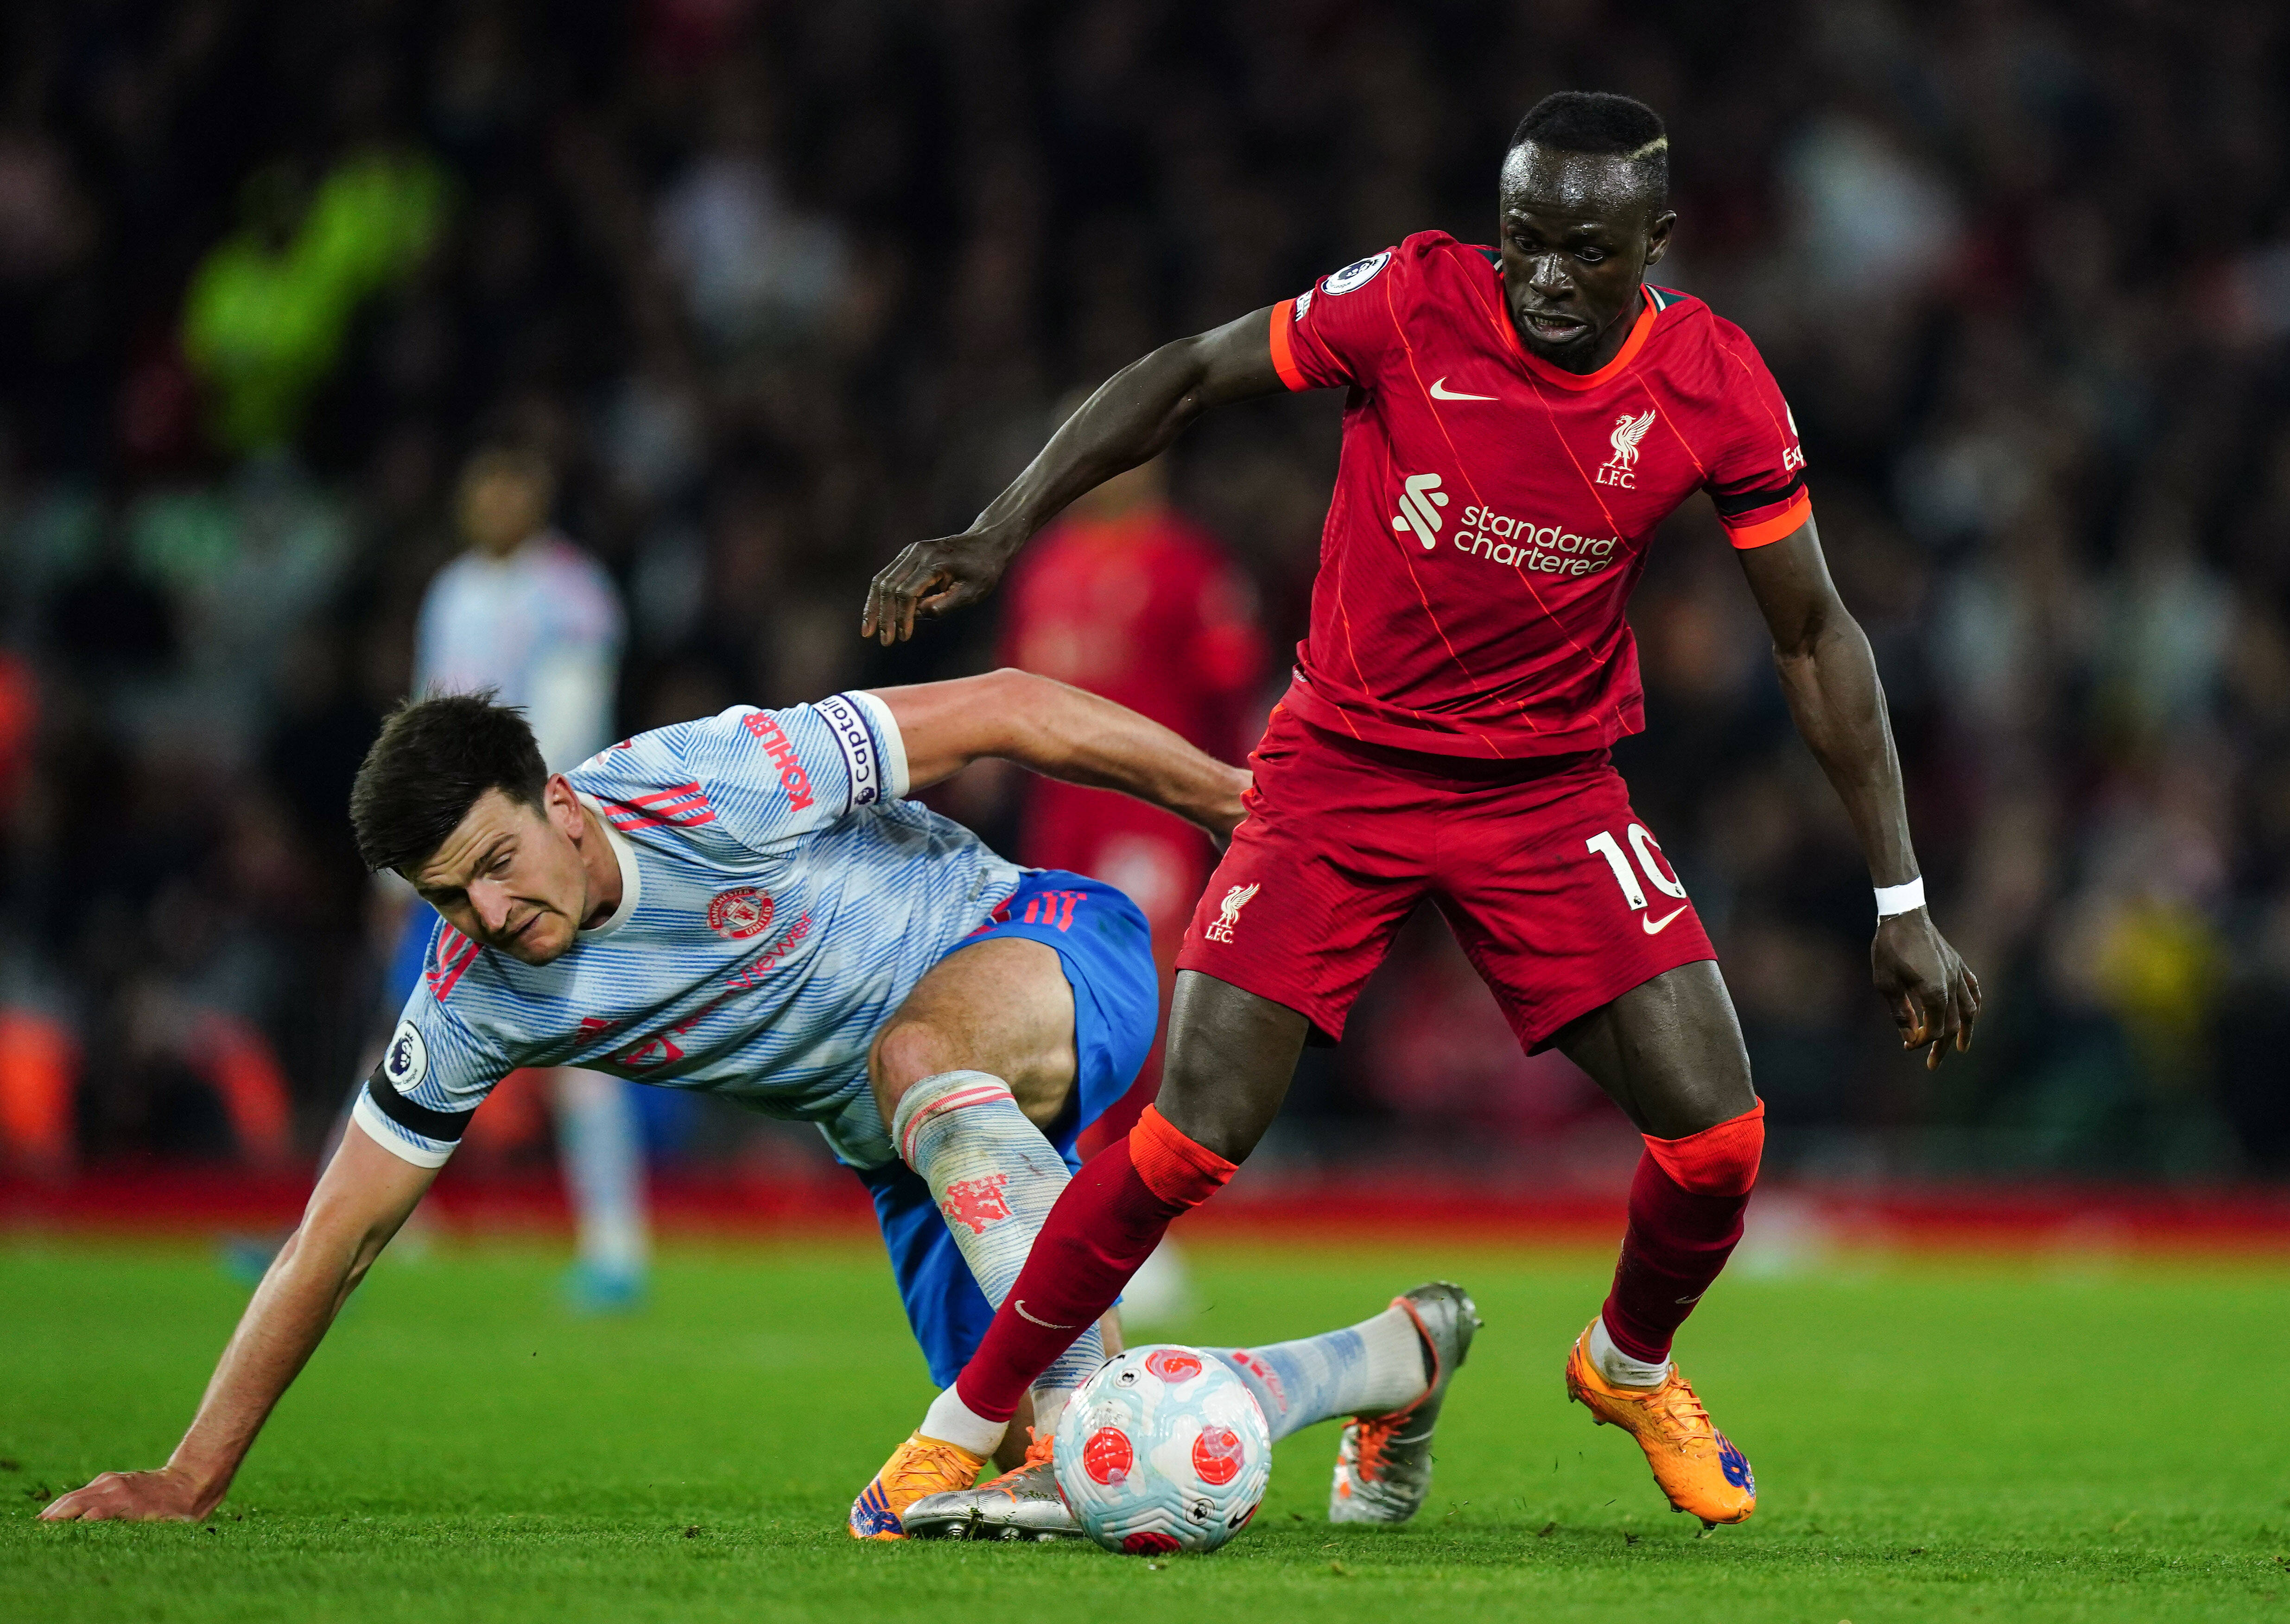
<point>1893,900</point>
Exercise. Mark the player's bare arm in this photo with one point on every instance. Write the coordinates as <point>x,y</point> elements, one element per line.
<point>1828,676</point>
<point>1062,733</point>
<point>361,1201</point>
<point>1132,418</point>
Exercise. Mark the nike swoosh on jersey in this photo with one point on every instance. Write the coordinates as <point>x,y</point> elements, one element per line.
<point>1654,927</point>
<point>1440,391</point>
<point>1046,1324</point>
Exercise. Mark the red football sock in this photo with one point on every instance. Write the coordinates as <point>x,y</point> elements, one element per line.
<point>1099,1234</point>
<point>1686,1204</point>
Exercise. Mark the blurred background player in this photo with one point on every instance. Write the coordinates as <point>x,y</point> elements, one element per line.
<point>524,612</point>
<point>1127,596</point>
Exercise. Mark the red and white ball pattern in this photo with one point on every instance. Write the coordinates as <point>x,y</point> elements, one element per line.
<point>1163,1450</point>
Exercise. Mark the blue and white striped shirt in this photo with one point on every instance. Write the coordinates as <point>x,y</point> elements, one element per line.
<point>779,901</point>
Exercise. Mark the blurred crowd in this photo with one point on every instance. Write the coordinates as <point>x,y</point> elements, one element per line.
<point>776,288</point>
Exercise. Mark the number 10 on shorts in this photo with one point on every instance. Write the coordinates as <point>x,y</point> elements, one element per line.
<point>1649,861</point>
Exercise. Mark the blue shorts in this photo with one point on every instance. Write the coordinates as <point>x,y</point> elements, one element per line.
<point>1107,949</point>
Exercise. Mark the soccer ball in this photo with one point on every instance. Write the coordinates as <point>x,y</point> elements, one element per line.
<point>1164,1449</point>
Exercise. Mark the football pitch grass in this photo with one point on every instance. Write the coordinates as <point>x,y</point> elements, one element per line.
<point>1932,1439</point>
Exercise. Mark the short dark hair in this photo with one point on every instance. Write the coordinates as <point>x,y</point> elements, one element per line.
<point>1603,122</point>
<point>436,756</point>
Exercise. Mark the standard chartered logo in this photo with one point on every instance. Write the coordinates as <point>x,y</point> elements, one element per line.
<point>1419,502</point>
<point>1522,544</point>
<point>1501,538</point>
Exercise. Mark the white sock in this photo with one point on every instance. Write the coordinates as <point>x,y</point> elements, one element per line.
<point>996,1179</point>
<point>1366,1369</point>
<point>1618,1367</point>
<point>601,1149</point>
<point>949,1420</point>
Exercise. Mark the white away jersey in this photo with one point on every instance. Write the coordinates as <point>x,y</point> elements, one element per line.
<point>778,900</point>
<point>543,626</point>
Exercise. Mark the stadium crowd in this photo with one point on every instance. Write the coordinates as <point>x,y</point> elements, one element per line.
<point>780,287</point>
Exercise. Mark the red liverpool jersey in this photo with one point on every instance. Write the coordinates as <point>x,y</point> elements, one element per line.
<point>1491,511</point>
<point>1147,609</point>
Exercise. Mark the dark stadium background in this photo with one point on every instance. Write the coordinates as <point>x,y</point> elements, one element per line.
<point>787,285</point>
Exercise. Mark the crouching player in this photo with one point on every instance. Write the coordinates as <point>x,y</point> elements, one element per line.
<point>747,905</point>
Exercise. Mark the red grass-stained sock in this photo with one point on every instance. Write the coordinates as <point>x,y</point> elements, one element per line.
<point>1099,1234</point>
<point>1687,1207</point>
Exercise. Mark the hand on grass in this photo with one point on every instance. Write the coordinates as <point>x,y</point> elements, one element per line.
<point>164,1496</point>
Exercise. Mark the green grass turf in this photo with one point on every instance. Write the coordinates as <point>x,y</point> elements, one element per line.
<point>1933,1441</point>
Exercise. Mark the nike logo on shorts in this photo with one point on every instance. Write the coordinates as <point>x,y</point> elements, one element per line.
<point>1046,1324</point>
<point>1654,927</point>
<point>1440,391</point>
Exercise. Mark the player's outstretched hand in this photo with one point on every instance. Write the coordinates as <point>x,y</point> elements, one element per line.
<point>932,578</point>
<point>1934,999</point>
<point>164,1496</point>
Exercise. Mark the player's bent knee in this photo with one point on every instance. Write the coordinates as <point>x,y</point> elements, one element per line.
<point>1719,1161</point>
<point>907,1051</point>
<point>1230,1127</point>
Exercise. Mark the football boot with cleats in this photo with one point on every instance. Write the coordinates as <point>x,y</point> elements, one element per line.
<point>1693,1462</point>
<point>1024,1503</point>
<point>917,1468</point>
<point>1383,1463</point>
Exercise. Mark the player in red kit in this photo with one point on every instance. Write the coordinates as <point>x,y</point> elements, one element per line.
<point>1518,420</point>
<point>1128,598</point>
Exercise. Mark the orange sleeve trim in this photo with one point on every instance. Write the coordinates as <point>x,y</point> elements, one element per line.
<point>1179,1171</point>
<point>1284,353</point>
<point>1789,518</point>
<point>1719,1161</point>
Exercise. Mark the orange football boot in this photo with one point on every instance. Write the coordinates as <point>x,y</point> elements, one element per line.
<point>1693,1462</point>
<point>919,1467</point>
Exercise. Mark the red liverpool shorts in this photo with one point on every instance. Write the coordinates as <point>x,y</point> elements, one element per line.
<point>1552,884</point>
